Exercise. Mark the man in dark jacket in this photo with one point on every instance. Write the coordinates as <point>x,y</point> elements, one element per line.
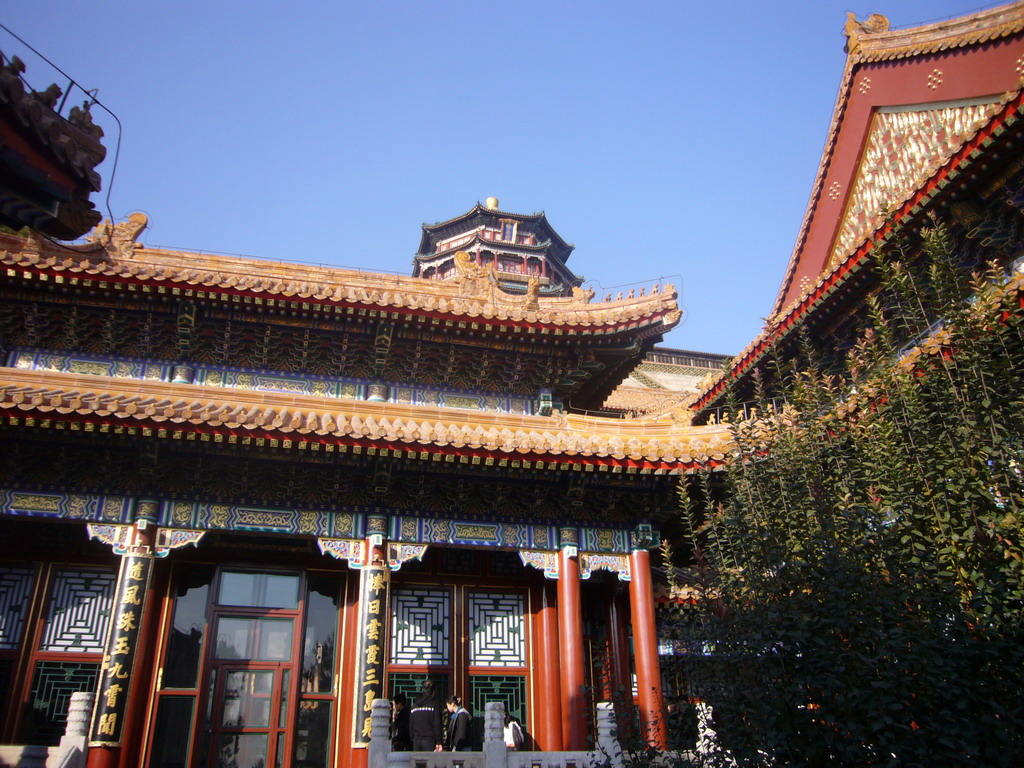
<point>425,721</point>
<point>401,741</point>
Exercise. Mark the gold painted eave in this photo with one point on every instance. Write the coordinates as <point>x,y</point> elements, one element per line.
<point>665,439</point>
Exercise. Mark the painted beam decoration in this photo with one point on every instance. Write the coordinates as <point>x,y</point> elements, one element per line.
<point>120,652</point>
<point>373,601</point>
<point>89,507</point>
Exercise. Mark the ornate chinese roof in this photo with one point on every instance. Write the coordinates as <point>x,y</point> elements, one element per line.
<point>920,113</point>
<point>523,250</point>
<point>481,214</point>
<point>468,328</point>
<point>46,162</point>
<point>908,100</point>
<point>83,402</point>
<point>666,379</point>
<point>113,257</point>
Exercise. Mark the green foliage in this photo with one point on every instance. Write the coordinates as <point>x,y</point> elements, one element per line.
<point>860,580</point>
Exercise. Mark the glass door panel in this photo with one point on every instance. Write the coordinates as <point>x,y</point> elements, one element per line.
<point>257,639</point>
<point>249,714</point>
<point>241,750</point>
<point>247,699</point>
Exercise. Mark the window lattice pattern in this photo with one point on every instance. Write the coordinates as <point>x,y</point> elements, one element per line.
<point>77,616</point>
<point>506,564</point>
<point>510,690</point>
<point>497,636</point>
<point>458,561</point>
<point>15,590</point>
<point>52,686</point>
<point>6,668</point>
<point>420,626</point>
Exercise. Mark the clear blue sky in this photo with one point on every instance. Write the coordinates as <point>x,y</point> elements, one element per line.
<point>664,139</point>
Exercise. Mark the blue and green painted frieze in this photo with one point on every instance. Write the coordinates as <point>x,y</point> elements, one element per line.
<point>261,380</point>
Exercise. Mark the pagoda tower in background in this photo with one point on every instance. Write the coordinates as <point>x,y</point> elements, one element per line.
<point>517,247</point>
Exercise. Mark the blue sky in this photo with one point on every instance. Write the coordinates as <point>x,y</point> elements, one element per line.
<point>666,140</point>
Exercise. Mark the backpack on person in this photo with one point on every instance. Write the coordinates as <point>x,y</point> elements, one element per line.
<point>517,735</point>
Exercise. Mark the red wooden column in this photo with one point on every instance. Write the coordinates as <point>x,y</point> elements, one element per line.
<point>621,680</point>
<point>546,684</point>
<point>371,621</point>
<point>570,636</point>
<point>645,647</point>
<point>131,613</point>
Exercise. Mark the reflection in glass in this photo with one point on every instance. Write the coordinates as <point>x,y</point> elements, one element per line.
<point>263,590</point>
<point>185,642</point>
<point>321,632</point>
<point>243,750</point>
<point>254,639</point>
<point>275,640</point>
<point>233,637</point>
<point>172,732</point>
<point>313,736</point>
<point>283,716</point>
<point>247,698</point>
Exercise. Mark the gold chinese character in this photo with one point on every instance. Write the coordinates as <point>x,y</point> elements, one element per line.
<point>373,654</point>
<point>131,595</point>
<point>107,723</point>
<point>373,630</point>
<point>135,571</point>
<point>367,732</point>
<point>116,670</point>
<point>371,677</point>
<point>112,693</point>
<point>121,647</point>
<point>373,606</point>
<point>377,580</point>
<point>126,621</point>
<point>368,698</point>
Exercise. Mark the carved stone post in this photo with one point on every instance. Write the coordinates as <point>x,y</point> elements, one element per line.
<point>495,751</point>
<point>607,737</point>
<point>380,737</point>
<point>76,731</point>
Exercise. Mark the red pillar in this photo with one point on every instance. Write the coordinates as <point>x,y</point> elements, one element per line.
<point>645,640</point>
<point>570,635</point>
<point>346,754</point>
<point>140,605</point>
<point>621,679</point>
<point>547,686</point>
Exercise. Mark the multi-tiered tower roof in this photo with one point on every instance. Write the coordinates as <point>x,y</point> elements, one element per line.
<point>522,251</point>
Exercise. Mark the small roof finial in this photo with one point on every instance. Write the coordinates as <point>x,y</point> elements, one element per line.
<point>491,203</point>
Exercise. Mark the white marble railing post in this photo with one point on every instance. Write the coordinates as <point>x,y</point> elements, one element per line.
<point>76,731</point>
<point>380,736</point>
<point>607,734</point>
<point>495,751</point>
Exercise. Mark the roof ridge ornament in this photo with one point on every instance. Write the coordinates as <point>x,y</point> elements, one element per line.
<point>855,29</point>
<point>117,240</point>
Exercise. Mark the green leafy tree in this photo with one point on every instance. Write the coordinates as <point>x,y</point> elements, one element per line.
<point>858,581</point>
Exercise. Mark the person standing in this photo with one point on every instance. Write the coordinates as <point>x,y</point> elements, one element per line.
<point>401,739</point>
<point>458,726</point>
<point>425,721</point>
<point>513,733</point>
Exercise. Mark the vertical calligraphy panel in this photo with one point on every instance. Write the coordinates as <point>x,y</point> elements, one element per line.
<point>119,656</point>
<point>373,606</point>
